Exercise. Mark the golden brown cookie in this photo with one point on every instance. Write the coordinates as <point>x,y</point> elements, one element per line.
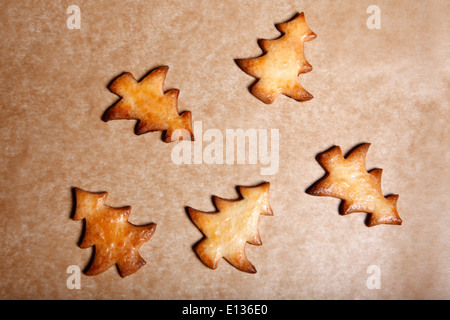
<point>231,227</point>
<point>147,102</point>
<point>348,180</point>
<point>116,240</point>
<point>277,70</point>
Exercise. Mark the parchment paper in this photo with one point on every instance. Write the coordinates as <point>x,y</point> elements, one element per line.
<point>386,86</point>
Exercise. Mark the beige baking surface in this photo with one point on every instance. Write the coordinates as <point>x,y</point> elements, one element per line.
<point>388,87</point>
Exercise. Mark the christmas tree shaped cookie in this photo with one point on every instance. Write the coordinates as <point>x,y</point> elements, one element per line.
<point>231,227</point>
<point>147,102</point>
<point>116,240</point>
<point>277,70</point>
<point>348,180</point>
